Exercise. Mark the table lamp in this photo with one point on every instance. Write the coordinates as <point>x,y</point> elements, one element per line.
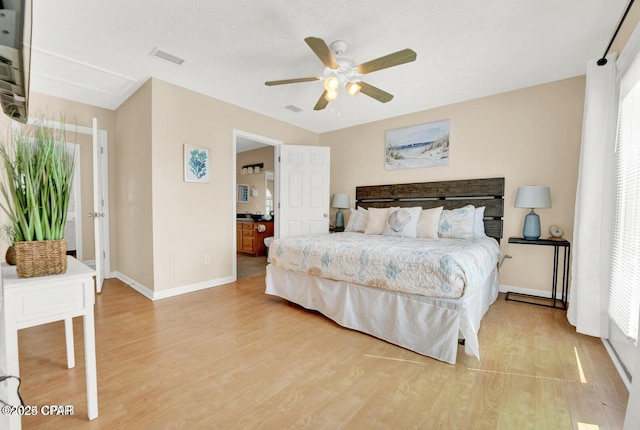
<point>340,201</point>
<point>532,197</point>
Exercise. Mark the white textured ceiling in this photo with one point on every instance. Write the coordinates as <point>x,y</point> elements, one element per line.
<point>97,52</point>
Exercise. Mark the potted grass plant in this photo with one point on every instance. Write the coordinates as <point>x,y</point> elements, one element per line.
<point>38,173</point>
<point>8,235</point>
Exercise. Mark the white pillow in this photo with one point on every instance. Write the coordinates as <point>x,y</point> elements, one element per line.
<point>376,220</point>
<point>357,220</point>
<point>428,223</point>
<point>457,223</point>
<point>478,222</point>
<point>402,222</point>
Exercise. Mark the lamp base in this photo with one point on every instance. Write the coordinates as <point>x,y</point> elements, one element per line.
<point>531,229</point>
<point>339,219</point>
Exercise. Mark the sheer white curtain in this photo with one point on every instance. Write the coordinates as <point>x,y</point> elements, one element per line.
<point>588,296</point>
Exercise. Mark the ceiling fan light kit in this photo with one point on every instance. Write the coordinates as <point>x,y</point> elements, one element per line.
<point>341,70</point>
<point>331,96</point>
<point>352,88</point>
<point>331,83</point>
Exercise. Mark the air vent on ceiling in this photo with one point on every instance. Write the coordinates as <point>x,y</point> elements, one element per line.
<point>166,56</point>
<point>293,108</point>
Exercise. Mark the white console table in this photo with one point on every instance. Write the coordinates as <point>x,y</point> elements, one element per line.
<point>28,302</point>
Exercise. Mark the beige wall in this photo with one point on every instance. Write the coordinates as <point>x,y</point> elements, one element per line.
<point>132,182</point>
<point>530,136</point>
<point>261,155</point>
<point>162,227</point>
<point>527,136</point>
<point>193,223</point>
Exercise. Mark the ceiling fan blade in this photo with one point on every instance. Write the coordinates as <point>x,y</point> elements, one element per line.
<point>374,92</point>
<point>322,51</point>
<point>395,59</point>
<point>292,81</point>
<point>322,102</point>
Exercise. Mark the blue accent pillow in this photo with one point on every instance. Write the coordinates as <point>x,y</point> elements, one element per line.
<point>457,223</point>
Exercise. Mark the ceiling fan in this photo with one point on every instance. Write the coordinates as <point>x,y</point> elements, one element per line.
<point>342,70</point>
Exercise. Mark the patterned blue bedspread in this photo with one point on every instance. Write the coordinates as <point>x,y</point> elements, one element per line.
<point>430,267</point>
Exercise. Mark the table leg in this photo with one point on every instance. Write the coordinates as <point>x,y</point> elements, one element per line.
<point>90,364</point>
<point>565,275</point>
<point>10,365</point>
<point>68,335</point>
<point>554,284</point>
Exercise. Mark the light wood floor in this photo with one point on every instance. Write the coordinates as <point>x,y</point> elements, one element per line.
<point>231,357</point>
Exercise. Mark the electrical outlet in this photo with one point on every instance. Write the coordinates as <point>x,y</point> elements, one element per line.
<point>207,259</point>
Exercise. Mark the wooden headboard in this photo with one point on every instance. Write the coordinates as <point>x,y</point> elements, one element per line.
<point>487,192</point>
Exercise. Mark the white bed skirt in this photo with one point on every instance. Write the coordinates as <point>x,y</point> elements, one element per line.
<point>428,326</point>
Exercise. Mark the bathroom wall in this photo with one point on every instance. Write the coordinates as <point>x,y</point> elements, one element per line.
<point>256,181</point>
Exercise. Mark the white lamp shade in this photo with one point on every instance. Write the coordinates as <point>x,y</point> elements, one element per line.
<point>340,201</point>
<point>533,197</point>
<point>331,83</point>
<point>331,95</point>
<point>352,88</point>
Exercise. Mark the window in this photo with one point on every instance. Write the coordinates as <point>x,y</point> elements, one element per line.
<point>624,296</point>
<point>269,201</point>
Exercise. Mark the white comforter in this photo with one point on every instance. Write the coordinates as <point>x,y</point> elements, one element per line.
<point>429,267</point>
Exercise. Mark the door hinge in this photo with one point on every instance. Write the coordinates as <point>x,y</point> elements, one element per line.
<point>278,158</point>
<point>278,205</point>
<point>101,150</point>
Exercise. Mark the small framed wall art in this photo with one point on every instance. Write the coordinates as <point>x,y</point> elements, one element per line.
<point>243,193</point>
<point>196,164</point>
<point>422,145</point>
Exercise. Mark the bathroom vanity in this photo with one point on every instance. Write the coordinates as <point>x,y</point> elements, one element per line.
<point>250,236</point>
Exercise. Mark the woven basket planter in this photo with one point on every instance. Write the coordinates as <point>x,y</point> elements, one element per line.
<point>10,255</point>
<point>41,258</point>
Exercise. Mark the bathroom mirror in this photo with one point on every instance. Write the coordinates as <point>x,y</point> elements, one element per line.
<point>255,195</point>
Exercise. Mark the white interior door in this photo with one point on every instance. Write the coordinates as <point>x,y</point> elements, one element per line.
<point>73,228</point>
<point>98,206</point>
<point>304,190</point>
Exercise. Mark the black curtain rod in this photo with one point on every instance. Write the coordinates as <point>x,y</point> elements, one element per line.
<point>603,60</point>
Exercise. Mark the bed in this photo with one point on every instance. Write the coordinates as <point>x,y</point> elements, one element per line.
<point>426,294</point>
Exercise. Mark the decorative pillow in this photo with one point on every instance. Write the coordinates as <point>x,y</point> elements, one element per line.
<point>402,222</point>
<point>478,222</point>
<point>457,223</point>
<point>357,220</point>
<point>376,220</point>
<point>428,223</point>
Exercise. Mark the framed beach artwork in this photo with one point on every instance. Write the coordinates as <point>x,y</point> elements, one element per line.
<point>196,164</point>
<point>424,145</point>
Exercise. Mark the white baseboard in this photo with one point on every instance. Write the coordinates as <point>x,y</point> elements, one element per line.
<point>184,289</point>
<point>171,292</point>
<point>616,362</point>
<point>148,293</point>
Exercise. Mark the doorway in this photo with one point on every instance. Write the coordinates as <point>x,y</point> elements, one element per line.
<point>90,147</point>
<point>73,227</point>
<point>256,188</point>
